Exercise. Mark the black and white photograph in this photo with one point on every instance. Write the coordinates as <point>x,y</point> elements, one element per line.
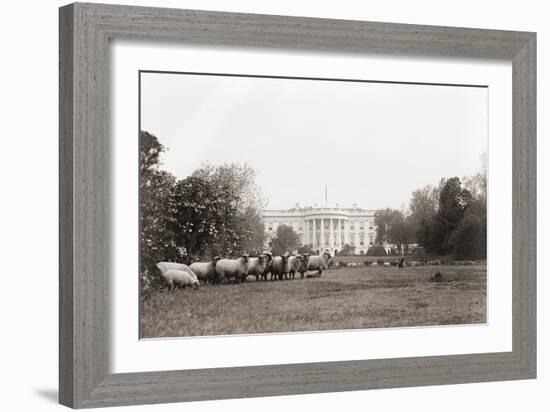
<point>281,204</point>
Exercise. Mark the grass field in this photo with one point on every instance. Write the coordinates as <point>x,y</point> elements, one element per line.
<point>349,298</point>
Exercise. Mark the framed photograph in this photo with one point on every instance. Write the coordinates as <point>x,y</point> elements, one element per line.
<point>257,205</point>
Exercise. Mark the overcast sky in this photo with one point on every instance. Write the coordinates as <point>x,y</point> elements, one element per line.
<point>370,143</point>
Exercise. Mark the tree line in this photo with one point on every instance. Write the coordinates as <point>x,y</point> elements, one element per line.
<point>447,219</point>
<point>214,211</point>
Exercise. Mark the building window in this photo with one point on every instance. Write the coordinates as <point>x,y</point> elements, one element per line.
<point>270,228</point>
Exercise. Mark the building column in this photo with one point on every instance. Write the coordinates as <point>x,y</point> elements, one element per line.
<point>322,242</point>
<point>337,232</point>
<point>331,236</point>
<point>314,221</point>
<point>339,237</point>
<point>346,231</point>
<point>356,225</point>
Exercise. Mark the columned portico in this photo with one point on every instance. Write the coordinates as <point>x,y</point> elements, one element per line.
<point>332,239</point>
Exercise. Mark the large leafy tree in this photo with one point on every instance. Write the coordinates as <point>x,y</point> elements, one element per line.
<point>469,240</point>
<point>285,240</point>
<point>250,224</point>
<point>203,215</point>
<point>454,200</point>
<point>392,226</point>
<point>218,211</point>
<point>456,225</point>
<point>156,210</point>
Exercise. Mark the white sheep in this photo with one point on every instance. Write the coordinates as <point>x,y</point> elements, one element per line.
<point>166,266</point>
<point>279,267</point>
<point>319,263</point>
<point>256,266</point>
<point>181,278</point>
<point>206,271</point>
<point>232,268</point>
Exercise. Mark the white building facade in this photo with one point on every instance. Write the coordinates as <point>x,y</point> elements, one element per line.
<point>326,228</point>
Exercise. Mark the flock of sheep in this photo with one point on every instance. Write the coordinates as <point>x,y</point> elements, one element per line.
<point>218,270</point>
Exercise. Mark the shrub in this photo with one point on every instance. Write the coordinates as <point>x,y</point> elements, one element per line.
<point>376,251</point>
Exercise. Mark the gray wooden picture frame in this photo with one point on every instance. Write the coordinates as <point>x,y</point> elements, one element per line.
<point>85,31</point>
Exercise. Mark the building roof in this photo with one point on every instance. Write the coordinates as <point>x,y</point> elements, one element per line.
<point>313,210</point>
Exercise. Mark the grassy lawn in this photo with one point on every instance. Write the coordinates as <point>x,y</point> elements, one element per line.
<point>349,298</point>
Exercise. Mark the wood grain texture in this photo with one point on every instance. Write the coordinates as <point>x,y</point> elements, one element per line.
<point>85,31</point>
<point>66,229</point>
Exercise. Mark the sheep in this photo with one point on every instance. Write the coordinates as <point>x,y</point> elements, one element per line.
<point>279,267</point>
<point>303,265</point>
<point>294,263</point>
<point>319,263</point>
<point>232,268</point>
<point>256,267</point>
<point>166,266</point>
<point>206,271</point>
<point>182,278</point>
<point>268,261</point>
